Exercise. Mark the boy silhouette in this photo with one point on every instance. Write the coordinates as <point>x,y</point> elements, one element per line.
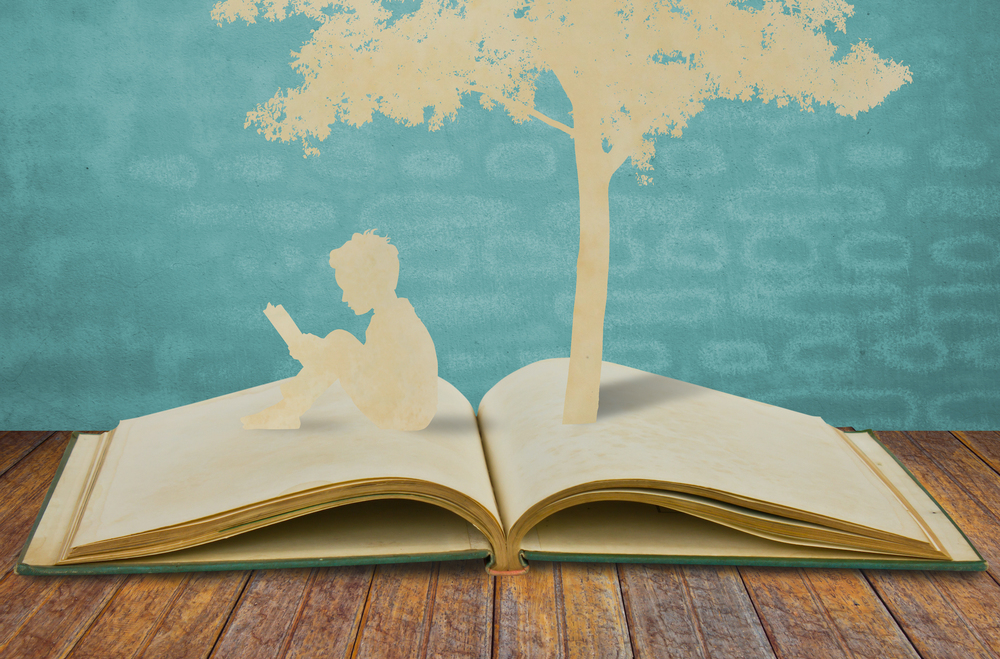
<point>392,376</point>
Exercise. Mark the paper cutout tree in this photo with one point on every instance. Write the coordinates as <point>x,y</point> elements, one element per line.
<point>632,70</point>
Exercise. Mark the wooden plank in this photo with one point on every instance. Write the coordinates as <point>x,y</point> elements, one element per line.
<point>192,622</point>
<point>965,467</point>
<point>461,624</point>
<point>975,520</point>
<point>33,472</point>
<point>794,621</point>
<point>594,614</point>
<point>728,620</point>
<point>331,613</point>
<point>935,626</point>
<point>265,615</point>
<point>20,597</point>
<point>15,445</point>
<point>688,611</point>
<point>984,444</point>
<point>932,624</point>
<point>22,490</point>
<point>823,613</point>
<point>131,616</point>
<point>862,620</point>
<point>527,620</point>
<point>68,609</point>
<point>976,597</point>
<point>947,614</point>
<point>400,604</point>
<point>661,618</point>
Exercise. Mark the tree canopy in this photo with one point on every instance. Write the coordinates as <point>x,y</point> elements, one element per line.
<point>632,70</point>
<point>642,67</point>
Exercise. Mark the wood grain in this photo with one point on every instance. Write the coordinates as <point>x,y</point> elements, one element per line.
<point>934,626</point>
<point>729,623</point>
<point>795,622</point>
<point>456,609</point>
<point>15,445</point>
<point>264,616</point>
<point>20,597</point>
<point>949,615</point>
<point>193,620</point>
<point>691,611</point>
<point>22,490</point>
<point>331,613</point>
<point>130,617</point>
<point>399,606</point>
<point>975,597</point>
<point>463,611</point>
<point>31,474</point>
<point>594,615</point>
<point>824,613</point>
<point>984,444</point>
<point>660,614</point>
<point>975,519</point>
<point>66,612</point>
<point>860,617</point>
<point>527,621</point>
<point>964,467</point>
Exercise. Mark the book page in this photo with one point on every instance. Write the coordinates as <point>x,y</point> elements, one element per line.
<point>195,461</point>
<point>50,534</point>
<point>613,528</point>
<point>282,322</point>
<point>952,539</point>
<point>653,428</point>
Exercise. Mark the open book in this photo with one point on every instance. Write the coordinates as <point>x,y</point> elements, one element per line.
<point>670,472</point>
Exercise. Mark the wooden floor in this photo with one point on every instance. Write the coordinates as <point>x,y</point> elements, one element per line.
<point>568,609</point>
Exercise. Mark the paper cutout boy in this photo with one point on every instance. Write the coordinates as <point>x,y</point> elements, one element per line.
<point>391,377</point>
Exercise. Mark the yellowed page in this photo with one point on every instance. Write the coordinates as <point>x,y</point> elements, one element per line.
<point>388,529</point>
<point>50,534</point>
<point>197,460</point>
<point>633,529</point>
<point>652,428</point>
<point>948,535</point>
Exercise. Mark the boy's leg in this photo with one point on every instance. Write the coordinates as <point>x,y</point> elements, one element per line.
<point>339,356</point>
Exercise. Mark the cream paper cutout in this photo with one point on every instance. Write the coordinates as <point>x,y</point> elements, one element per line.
<point>632,70</point>
<point>391,377</point>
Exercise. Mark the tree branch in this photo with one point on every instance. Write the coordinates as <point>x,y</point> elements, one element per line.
<point>499,98</point>
<point>619,158</point>
<point>623,148</point>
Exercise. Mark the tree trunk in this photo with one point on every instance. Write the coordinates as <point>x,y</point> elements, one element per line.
<point>594,176</point>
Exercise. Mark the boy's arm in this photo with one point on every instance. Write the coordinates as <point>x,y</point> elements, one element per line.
<point>299,345</point>
<point>282,322</point>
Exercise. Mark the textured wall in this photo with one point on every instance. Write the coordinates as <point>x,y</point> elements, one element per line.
<point>845,268</point>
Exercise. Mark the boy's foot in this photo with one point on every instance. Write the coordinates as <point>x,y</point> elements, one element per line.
<point>275,417</point>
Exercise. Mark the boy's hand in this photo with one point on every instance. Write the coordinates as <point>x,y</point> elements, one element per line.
<point>307,349</point>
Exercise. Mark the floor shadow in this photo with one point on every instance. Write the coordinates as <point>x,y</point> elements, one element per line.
<point>445,424</point>
<point>319,424</point>
<point>640,391</point>
<point>451,424</point>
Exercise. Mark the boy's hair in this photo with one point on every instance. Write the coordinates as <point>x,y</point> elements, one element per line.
<point>370,256</point>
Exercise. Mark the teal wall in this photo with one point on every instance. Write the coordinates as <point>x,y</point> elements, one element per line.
<point>845,268</point>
